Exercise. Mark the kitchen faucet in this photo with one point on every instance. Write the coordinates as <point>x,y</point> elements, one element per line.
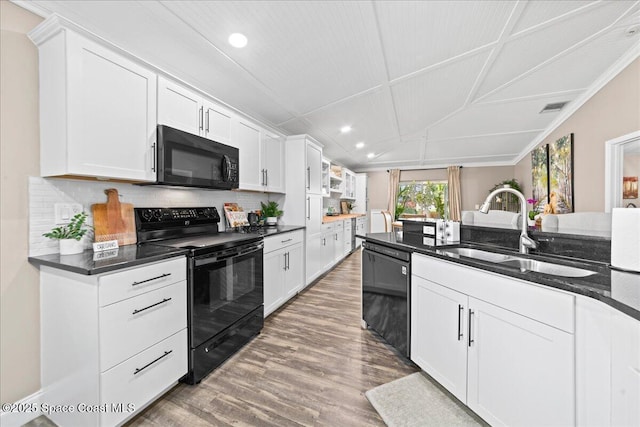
<point>526,242</point>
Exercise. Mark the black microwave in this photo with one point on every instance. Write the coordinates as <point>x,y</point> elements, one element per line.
<point>187,160</point>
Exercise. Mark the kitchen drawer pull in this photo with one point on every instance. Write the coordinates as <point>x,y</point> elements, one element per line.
<point>285,241</point>
<point>138,370</point>
<point>153,157</point>
<point>471,341</point>
<point>149,280</point>
<point>460,310</point>
<point>151,306</point>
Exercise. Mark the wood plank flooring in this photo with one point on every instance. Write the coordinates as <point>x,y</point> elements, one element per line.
<point>310,366</point>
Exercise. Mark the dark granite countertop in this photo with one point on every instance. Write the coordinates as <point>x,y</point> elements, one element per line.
<point>90,263</point>
<point>618,289</point>
<point>127,256</point>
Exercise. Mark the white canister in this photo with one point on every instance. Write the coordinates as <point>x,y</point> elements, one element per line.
<point>71,246</point>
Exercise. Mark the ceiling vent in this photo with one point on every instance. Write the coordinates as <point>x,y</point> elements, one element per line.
<point>555,107</point>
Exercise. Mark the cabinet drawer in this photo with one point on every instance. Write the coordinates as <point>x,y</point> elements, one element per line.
<point>129,283</point>
<point>338,225</point>
<point>279,241</point>
<point>130,326</point>
<point>143,377</point>
<point>326,228</point>
<point>538,302</point>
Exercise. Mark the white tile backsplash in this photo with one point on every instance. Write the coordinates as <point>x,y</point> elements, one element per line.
<point>45,192</point>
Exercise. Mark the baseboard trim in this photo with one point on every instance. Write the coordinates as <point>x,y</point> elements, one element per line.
<point>31,409</point>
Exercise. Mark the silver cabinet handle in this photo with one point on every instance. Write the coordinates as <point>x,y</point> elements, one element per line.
<point>471,341</point>
<point>284,258</point>
<point>460,311</point>
<point>166,353</point>
<point>200,120</point>
<point>308,207</point>
<point>309,178</point>
<point>151,306</point>
<point>153,157</point>
<point>266,177</point>
<point>207,122</point>
<point>149,280</point>
<point>285,241</point>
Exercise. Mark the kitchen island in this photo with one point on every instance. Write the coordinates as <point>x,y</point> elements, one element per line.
<point>524,347</point>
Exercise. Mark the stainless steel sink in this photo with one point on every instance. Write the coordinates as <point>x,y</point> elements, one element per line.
<point>479,254</point>
<point>546,268</point>
<point>523,264</point>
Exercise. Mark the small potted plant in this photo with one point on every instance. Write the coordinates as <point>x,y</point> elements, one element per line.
<point>70,235</point>
<point>271,212</point>
<point>532,213</point>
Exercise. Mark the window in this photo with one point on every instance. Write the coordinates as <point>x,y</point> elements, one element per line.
<point>425,198</point>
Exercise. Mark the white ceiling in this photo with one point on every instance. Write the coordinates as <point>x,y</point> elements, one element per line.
<point>422,83</point>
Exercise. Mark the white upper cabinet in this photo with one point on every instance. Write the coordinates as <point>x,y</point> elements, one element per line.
<point>97,108</point>
<point>313,169</point>
<point>178,107</point>
<point>217,123</point>
<point>348,184</point>
<point>273,165</point>
<point>261,158</point>
<point>185,109</point>
<point>261,152</point>
<point>248,140</point>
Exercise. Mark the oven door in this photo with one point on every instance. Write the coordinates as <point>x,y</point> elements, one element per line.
<point>226,286</point>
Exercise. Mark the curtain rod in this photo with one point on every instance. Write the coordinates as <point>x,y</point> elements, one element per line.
<point>427,169</point>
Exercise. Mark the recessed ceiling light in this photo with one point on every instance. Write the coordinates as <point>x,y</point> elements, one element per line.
<point>371,155</point>
<point>345,129</point>
<point>238,40</point>
<point>360,145</point>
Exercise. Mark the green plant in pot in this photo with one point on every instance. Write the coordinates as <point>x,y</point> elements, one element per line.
<point>271,212</point>
<point>70,235</point>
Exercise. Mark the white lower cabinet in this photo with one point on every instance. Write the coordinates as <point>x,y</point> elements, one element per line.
<point>467,333</point>
<point>283,269</point>
<point>314,265</point>
<point>625,370</point>
<point>114,341</point>
<point>327,252</point>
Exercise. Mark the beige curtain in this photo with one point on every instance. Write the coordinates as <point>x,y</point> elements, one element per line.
<point>394,181</point>
<point>453,176</point>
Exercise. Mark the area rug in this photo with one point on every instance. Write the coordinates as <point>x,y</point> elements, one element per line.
<point>415,401</point>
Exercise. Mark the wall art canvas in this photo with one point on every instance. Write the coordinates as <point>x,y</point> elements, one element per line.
<point>540,177</point>
<point>630,187</point>
<point>561,175</point>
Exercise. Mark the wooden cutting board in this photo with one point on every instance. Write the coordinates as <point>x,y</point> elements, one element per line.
<point>114,220</point>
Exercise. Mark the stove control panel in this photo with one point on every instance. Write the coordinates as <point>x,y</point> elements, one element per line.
<point>169,215</point>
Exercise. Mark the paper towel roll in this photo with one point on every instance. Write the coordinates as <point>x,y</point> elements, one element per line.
<point>625,239</point>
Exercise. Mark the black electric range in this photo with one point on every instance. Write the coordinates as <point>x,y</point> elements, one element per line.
<point>224,281</point>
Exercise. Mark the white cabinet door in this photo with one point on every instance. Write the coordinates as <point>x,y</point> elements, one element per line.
<point>328,251</point>
<point>313,169</point>
<point>625,370</point>
<point>217,124</point>
<point>109,128</point>
<point>314,264</point>
<point>248,140</point>
<point>274,265</point>
<point>314,214</point>
<point>338,249</point>
<point>439,334</point>
<point>520,371</point>
<point>295,270</point>
<point>179,107</point>
<point>273,148</point>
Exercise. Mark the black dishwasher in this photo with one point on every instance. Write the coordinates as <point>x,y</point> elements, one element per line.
<point>386,293</point>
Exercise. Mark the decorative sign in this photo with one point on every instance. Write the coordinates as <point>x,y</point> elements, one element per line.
<point>105,246</point>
